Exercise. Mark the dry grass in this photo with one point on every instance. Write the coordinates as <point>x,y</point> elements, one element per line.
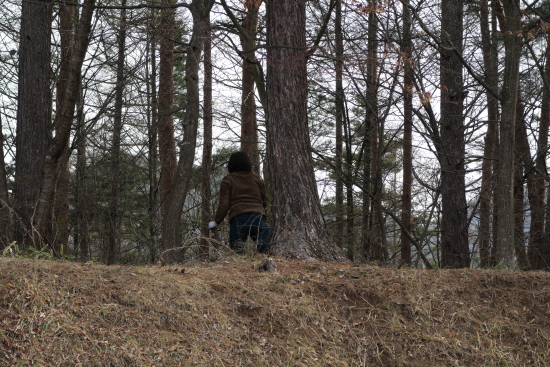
<point>57,313</point>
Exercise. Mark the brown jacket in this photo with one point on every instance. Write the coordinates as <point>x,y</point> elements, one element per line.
<point>241,192</point>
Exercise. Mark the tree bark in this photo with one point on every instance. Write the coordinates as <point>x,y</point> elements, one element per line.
<point>172,219</point>
<point>348,176</point>
<point>494,224</point>
<point>379,249</point>
<point>523,165</point>
<point>546,257</point>
<point>299,228</point>
<point>379,244</point>
<point>58,152</point>
<point>207,140</point>
<point>512,44</point>
<point>454,237</point>
<point>166,138</point>
<point>539,248</point>
<point>5,225</point>
<point>367,189</point>
<point>33,113</point>
<point>347,172</point>
<point>113,236</point>
<point>491,77</point>
<point>406,197</point>
<point>366,212</point>
<point>153,156</point>
<point>350,205</point>
<point>67,13</point>
<point>81,193</point>
<point>339,121</point>
<point>249,123</point>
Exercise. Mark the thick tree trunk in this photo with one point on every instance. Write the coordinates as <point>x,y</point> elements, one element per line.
<point>491,77</point>
<point>512,44</point>
<point>33,113</point>
<point>406,200</point>
<point>299,231</point>
<point>454,237</point>
<point>58,152</point>
<point>207,140</point>
<point>172,219</point>
<point>113,236</point>
<point>249,123</point>
<point>166,139</point>
<point>339,121</point>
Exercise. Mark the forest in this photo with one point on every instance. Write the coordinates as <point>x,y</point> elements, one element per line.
<point>412,132</point>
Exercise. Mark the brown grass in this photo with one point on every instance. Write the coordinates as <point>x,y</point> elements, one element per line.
<point>56,313</point>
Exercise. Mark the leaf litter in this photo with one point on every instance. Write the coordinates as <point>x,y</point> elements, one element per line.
<point>226,313</point>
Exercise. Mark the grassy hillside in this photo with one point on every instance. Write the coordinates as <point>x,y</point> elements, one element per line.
<point>55,313</point>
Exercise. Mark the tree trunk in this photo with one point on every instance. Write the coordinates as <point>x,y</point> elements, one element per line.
<point>379,249</point>
<point>497,17</point>
<point>113,236</point>
<point>347,171</point>
<point>299,228</point>
<point>491,77</point>
<point>167,141</point>
<point>523,166</point>
<point>153,156</point>
<point>249,123</point>
<point>546,257</point>
<point>494,224</point>
<point>60,229</point>
<point>512,44</point>
<point>33,113</point>
<point>339,121</point>
<point>207,140</point>
<point>172,219</point>
<point>58,153</point>
<point>379,246</point>
<point>406,202</point>
<point>350,220</point>
<point>4,197</point>
<point>366,189</point>
<point>539,248</point>
<point>81,232</point>
<point>454,237</point>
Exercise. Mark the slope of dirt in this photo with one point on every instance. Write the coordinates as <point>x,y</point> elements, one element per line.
<point>55,313</point>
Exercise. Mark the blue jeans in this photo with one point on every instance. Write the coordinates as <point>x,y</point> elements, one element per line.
<point>245,225</point>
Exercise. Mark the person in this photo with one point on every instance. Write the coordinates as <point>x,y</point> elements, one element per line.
<point>243,196</point>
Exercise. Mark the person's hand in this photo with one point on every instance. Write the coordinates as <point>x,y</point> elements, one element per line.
<point>212,225</point>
